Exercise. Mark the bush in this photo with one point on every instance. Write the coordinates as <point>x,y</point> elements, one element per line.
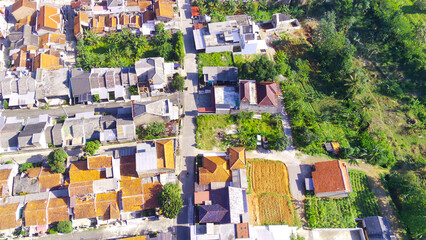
<point>62,119</point>
<point>5,104</point>
<point>65,227</point>
<point>25,166</point>
<point>95,98</point>
<point>57,160</point>
<point>155,129</point>
<point>178,82</point>
<point>52,231</point>
<point>133,90</point>
<point>91,147</point>
<point>170,200</point>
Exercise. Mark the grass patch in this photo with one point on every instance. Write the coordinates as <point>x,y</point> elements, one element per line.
<point>341,213</point>
<point>220,59</point>
<point>237,130</point>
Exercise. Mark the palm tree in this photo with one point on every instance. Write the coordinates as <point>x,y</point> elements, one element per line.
<point>355,83</point>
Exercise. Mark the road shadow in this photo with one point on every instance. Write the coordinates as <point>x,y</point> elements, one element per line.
<point>305,172</point>
<point>189,38</point>
<point>182,233</point>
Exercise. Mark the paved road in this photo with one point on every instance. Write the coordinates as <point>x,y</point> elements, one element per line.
<point>187,138</point>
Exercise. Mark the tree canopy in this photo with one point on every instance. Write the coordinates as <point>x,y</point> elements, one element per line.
<point>178,82</point>
<point>170,200</point>
<point>57,160</point>
<point>91,147</point>
<point>260,69</point>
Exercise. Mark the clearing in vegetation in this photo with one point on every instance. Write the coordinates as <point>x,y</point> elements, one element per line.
<point>269,195</point>
<point>341,213</point>
<point>240,130</point>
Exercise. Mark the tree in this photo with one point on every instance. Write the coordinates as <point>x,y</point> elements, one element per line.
<point>178,82</point>
<point>25,166</point>
<point>260,69</point>
<point>57,160</point>
<point>420,4</point>
<point>91,147</point>
<point>95,98</point>
<point>170,200</point>
<point>281,59</point>
<point>179,47</point>
<point>65,227</point>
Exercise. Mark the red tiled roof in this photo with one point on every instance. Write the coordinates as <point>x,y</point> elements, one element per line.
<point>330,176</point>
<point>197,26</point>
<point>267,93</point>
<point>164,9</point>
<point>8,216</point>
<point>201,197</point>
<point>195,11</point>
<point>237,158</point>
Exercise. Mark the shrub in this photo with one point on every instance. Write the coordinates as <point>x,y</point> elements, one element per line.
<point>65,227</point>
<point>91,147</point>
<point>178,82</point>
<point>96,98</point>
<point>57,160</point>
<point>133,90</point>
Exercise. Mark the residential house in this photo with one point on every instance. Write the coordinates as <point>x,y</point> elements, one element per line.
<point>222,231</point>
<point>35,216</point>
<point>46,61</point>
<point>259,96</point>
<point>228,205</point>
<point>148,16</point>
<point>47,179</point>
<point>23,8</point>
<point>135,21</point>
<point>331,179</point>
<point>10,218</point>
<point>107,207</point>
<point>225,99</point>
<point>220,75</point>
<point>111,23</point>
<point>33,135</point>
<point>156,111</point>
<point>201,197</point>
<point>57,210</point>
<point>376,228</point>
<point>250,39</point>
<point>221,37</point>
<point>7,172</point>
<point>49,20</point>
<point>3,26</point>
<point>83,211</point>
<point>237,158</point>
<point>98,24</point>
<point>19,91</point>
<point>9,131</point>
<point>52,86</point>
<point>283,22</point>
<point>144,5</point>
<point>215,169</point>
<point>195,12</point>
<point>153,71</point>
<point>80,89</point>
<point>115,6</point>
<point>136,197</point>
<point>164,11</point>
<point>81,22</point>
<point>81,128</point>
<point>155,158</point>
<point>53,41</point>
<point>23,48</point>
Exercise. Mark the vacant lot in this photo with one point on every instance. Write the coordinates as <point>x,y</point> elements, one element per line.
<point>269,195</point>
<point>340,213</point>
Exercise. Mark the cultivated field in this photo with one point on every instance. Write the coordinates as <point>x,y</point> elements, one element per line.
<point>269,195</point>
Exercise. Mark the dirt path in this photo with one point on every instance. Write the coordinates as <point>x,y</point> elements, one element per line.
<point>377,188</point>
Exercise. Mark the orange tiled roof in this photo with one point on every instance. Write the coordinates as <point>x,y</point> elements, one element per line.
<point>237,158</point>
<point>48,179</point>
<point>107,206</point>
<point>144,4</point>
<point>242,230</point>
<point>57,210</point>
<point>46,61</point>
<point>131,187</point>
<point>201,197</point>
<point>8,216</point>
<point>28,20</point>
<point>98,24</point>
<point>99,162</point>
<point>79,173</point>
<point>84,208</point>
<point>128,167</point>
<point>150,194</point>
<point>135,238</point>
<point>80,188</point>
<point>51,38</point>
<point>215,169</point>
<point>165,154</point>
<point>135,21</point>
<point>35,213</point>
<point>111,21</point>
<point>82,19</point>
<point>132,203</point>
<point>23,8</point>
<point>49,18</point>
<point>164,9</point>
<point>4,177</point>
<point>330,176</point>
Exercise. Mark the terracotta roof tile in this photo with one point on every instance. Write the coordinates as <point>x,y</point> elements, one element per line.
<point>111,21</point>
<point>99,162</point>
<point>46,61</point>
<point>237,158</point>
<point>330,176</point>
<point>150,194</point>
<point>197,26</point>
<point>84,208</point>
<point>267,93</point>
<point>49,19</point>
<point>165,154</point>
<point>215,169</point>
<point>124,19</point>
<point>80,188</point>
<point>164,9</point>
<point>98,24</point>
<point>144,5</point>
<point>23,8</point>
<point>48,180</point>
<point>132,203</point>
<point>128,167</point>
<point>107,205</point>
<point>8,216</point>
<point>35,213</point>
<point>57,210</point>
<point>148,16</point>
<point>51,38</point>
<point>195,11</point>
<point>33,172</point>
<point>79,173</point>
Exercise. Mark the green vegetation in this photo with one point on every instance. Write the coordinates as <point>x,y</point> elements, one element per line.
<point>8,162</point>
<point>62,119</point>
<point>133,90</point>
<point>121,49</point>
<point>91,147</point>
<point>341,213</point>
<point>25,166</point>
<point>239,130</point>
<point>408,192</point>
<point>5,104</point>
<point>65,227</point>
<point>57,160</point>
<point>52,230</point>
<point>178,82</point>
<point>222,59</point>
<point>259,10</point>
<point>260,69</point>
<point>153,130</point>
<point>96,98</point>
<point>170,200</point>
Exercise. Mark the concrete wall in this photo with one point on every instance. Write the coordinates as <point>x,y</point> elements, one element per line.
<point>258,109</point>
<point>149,118</point>
<point>338,194</point>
